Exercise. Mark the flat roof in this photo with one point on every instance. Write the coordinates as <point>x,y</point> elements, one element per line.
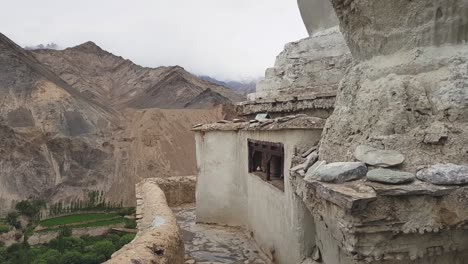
<point>292,122</point>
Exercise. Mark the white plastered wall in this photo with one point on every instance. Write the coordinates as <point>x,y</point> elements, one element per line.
<point>228,194</point>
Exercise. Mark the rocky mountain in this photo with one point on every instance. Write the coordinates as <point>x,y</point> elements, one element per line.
<point>82,120</point>
<point>244,87</point>
<point>47,128</point>
<point>121,83</point>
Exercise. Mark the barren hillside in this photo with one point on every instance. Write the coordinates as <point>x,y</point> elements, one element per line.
<point>82,120</point>
<point>50,134</point>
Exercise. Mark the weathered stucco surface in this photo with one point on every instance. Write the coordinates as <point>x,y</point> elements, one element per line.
<point>159,239</point>
<point>382,27</point>
<point>406,91</point>
<point>415,102</point>
<point>317,15</point>
<point>410,94</point>
<point>228,194</point>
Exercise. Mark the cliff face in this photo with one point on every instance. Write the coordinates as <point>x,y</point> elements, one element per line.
<point>47,128</point>
<point>408,92</point>
<point>62,138</point>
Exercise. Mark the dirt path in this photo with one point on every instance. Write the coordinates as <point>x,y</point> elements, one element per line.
<point>210,244</point>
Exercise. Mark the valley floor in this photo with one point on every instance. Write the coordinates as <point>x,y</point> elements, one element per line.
<point>211,244</point>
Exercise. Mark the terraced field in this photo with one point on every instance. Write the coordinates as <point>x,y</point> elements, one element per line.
<point>81,221</point>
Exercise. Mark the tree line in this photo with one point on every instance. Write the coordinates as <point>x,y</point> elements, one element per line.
<point>95,201</point>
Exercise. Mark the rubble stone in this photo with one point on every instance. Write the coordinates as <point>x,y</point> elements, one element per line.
<point>444,174</point>
<point>377,157</point>
<point>311,159</point>
<point>340,172</point>
<point>390,176</point>
<point>311,171</point>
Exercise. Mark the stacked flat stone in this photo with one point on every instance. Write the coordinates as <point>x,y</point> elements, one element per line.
<point>383,159</point>
<point>378,157</point>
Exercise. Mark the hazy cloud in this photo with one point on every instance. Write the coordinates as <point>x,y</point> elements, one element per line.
<point>227,39</point>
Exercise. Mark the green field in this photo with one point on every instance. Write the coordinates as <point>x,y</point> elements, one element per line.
<point>4,228</point>
<point>86,219</point>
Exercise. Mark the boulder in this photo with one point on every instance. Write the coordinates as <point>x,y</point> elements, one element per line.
<point>378,157</point>
<point>341,172</point>
<point>390,176</point>
<point>444,174</point>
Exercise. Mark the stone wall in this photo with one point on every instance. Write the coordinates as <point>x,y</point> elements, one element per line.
<point>159,238</point>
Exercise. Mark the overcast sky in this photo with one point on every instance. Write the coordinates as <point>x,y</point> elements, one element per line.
<point>227,39</point>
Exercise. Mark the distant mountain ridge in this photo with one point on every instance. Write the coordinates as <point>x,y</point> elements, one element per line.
<point>120,82</point>
<point>51,45</point>
<point>243,88</point>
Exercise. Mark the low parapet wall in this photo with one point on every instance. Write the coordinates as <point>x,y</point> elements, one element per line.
<point>178,190</point>
<point>159,238</point>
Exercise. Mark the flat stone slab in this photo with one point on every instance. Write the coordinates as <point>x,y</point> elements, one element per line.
<point>352,196</point>
<point>444,174</point>
<point>340,172</point>
<point>390,176</point>
<point>378,157</point>
<point>412,189</point>
<point>297,122</point>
